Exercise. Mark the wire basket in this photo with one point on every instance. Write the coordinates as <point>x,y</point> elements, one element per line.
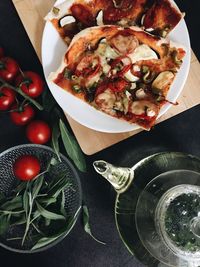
<point>73,198</point>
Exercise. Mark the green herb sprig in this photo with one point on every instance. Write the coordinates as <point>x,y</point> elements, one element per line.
<point>39,207</point>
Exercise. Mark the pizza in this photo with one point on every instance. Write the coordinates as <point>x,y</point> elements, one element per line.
<point>123,72</point>
<point>156,16</point>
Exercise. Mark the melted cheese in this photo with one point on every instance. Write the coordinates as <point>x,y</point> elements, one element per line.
<point>142,52</point>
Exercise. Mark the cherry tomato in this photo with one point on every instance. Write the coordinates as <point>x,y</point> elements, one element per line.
<point>7,98</point>
<point>8,69</point>
<point>38,132</point>
<point>32,85</point>
<point>26,167</point>
<point>22,117</point>
<point>1,52</point>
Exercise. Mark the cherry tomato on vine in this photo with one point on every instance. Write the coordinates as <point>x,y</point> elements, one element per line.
<point>8,69</point>
<point>7,98</point>
<point>26,167</point>
<point>38,132</point>
<point>23,116</point>
<point>1,52</point>
<point>31,83</point>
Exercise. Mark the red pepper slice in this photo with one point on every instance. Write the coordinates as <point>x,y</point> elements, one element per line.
<point>118,85</point>
<point>124,69</point>
<point>85,68</point>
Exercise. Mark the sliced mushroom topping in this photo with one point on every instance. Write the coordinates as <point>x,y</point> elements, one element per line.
<point>162,81</point>
<point>106,100</point>
<point>144,107</point>
<point>66,20</point>
<point>140,93</point>
<point>99,18</point>
<point>150,112</point>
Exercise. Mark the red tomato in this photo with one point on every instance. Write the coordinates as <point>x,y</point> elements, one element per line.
<point>33,84</point>
<point>8,69</point>
<point>22,117</point>
<point>26,167</point>
<point>1,52</point>
<point>38,132</point>
<point>7,98</point>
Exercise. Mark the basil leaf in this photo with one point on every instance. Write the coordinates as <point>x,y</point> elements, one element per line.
<point>55,140</point>
<point>48,214</point>
<point>87,225</point>
<point>72,148</point>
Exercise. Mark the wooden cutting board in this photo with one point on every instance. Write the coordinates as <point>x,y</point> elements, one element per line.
<point>32,13</point>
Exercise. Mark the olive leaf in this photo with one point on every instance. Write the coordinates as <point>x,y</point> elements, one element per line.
<point>4,223</point>
<point>48,101</point>
<point>72,148</point>
<point>87,225</point>
<point>12,204</point>
<point>48,240</point>
<point>48,214</point>
<point>55,139</point>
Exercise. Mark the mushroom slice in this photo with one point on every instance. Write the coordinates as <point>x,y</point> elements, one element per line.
<point>66,20</point>
<point>99,18</point>
<point>162,82</point>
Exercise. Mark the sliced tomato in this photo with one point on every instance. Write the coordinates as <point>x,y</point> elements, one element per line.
<point>88,67</point>
<point>118,85</point>
<point>124,42</point>
<point>82,14</point>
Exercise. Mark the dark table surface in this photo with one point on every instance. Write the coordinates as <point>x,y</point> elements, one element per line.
<point>180,133</point>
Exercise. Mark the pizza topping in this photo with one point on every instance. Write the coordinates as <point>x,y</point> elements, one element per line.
<point>55,10</point>
<point>129,76</point>
<point>140,93</point>
<point>120,66</point>
<point>99,18</point>
<point>88,66</point>
<point>175,58</point>
<point>66,20</point>
<point>106,100</point>
<point>143,52</point>
<point>118,85</point>
<point>144,107</point>
<point>82,14</point>
<point>124,42</point>
<point>162,81</point>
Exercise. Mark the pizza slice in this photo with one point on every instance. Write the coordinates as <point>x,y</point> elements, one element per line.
<point>123,72</point>
<point>72,16</point>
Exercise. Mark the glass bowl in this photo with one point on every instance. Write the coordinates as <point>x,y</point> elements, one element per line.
<point>72,195</point>
<point>168,218</point>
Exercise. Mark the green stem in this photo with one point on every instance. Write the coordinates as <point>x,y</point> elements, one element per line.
<point>19,91</point>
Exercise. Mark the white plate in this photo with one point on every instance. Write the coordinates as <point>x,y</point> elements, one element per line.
<point>53,49</point>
